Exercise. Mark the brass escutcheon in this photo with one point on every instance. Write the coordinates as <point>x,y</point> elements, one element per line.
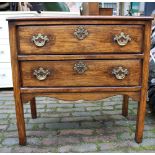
<point>81,33</point>
<point>39,40</point>
<point>80,67</point>
<point>120,72</point>
<point>122,39</point>
<point>41,74</point>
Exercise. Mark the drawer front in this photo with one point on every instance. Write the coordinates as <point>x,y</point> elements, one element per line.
<point>4,53</point>
<point>81,73</point>
<point>75,39</point>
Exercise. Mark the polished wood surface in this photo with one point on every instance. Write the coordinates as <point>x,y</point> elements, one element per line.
<point>81,18</point>
<point>145,74</point>
<point>81,57</point>
<point>98,51</point>
<point>63,41</point>
<point>125,105</point>
<point>93,8</point>
<point>16,85</point>
<point>33,108</point>
<point>90,8</point>
<point>106,11</point>
<point>98,73</point>
<point>78,89</point>
<point>80,96</point>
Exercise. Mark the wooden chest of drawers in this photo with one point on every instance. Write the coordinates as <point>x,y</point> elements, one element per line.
<point>74,58</point>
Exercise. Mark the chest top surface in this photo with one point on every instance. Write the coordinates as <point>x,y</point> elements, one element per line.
<point>39,18</point>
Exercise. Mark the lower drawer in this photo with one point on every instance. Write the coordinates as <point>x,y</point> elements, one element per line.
<point>81,73</point>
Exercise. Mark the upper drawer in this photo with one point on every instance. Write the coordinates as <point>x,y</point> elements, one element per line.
<point>76,39</point>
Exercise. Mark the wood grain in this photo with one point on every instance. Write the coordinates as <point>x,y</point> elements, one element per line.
<point>145,72</point>
<point>90,8</point>
<point>80,96</point>
<point>81,57</point>
<point>17,84</point>
<point>63,41</point>
<point>33,108</point>
<point>125,105</point>
<point>78,89</point>
<point>98,73</point>
<point>98,51</point>
<point>79,22</point>
<point>80,18</point>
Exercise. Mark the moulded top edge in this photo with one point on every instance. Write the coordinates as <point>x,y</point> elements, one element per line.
<point>39,18</point>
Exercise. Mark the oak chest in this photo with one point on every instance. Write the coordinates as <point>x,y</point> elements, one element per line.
<point>74,58</point>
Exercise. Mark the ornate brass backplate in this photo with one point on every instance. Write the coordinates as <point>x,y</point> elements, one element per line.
<point>120,72</point>
<point>41,73</point>
<point>122,39</point>
<point>80,67</point>
<point>81,33</point>
<point>39,40</point>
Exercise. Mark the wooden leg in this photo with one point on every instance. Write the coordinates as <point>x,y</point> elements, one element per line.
<point>143,94</point>
<point>125,105</point>
<point>140,120</point>
<point>33,108</point>
<point>20,120</point>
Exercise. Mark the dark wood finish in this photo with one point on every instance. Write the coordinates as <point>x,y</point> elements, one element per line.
<point>77,19</point>
<point>106,11</point>
<point>81,57</point>
<point>33,108</point>
<point>125,105</point>
<point>16,84</point>
<point>96,69</point>
<point>93,8</point>
<point>79,93</point>
<point>63,41</point>
<point>79,89</point>
<point>90,8</point>
<point>97,50</point>
<point>145,72</point>
<point>80,96</point>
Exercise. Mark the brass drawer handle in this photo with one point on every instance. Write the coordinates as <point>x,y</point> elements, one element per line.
<point>122,39</point>
<point>80,67</point>
<point>120,72</point>
<point>41,74</point>
<point>80,33</point>
<point>39,40</point>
